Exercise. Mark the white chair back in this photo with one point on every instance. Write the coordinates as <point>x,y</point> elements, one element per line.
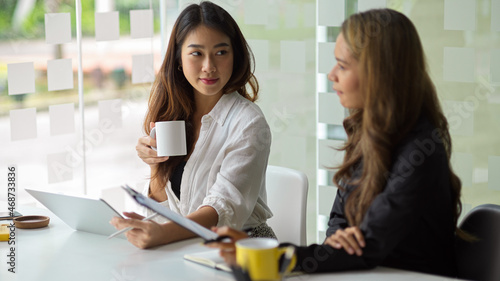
<point>287,198</point>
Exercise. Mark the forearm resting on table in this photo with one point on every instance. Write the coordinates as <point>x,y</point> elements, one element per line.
<point>205,216</point>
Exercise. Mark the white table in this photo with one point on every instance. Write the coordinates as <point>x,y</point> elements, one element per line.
<point>57,252</point>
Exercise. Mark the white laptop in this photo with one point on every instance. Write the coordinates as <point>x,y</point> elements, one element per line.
<point>80,213</point>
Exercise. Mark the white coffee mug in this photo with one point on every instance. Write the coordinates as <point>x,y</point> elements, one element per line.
<point>170,138</point>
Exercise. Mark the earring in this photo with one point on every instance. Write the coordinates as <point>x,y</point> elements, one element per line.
<point>179,67</point>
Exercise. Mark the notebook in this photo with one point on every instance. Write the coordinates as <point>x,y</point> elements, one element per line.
<point>209,258</point>
<point>80,213</point>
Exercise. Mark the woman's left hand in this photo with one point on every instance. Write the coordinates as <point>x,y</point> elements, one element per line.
<point>350,238</point>
<point>145,234</point>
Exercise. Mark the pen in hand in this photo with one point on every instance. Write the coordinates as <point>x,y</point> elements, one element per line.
<point>129,228</point>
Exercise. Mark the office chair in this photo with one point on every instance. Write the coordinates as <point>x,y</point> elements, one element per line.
<point>287,198</point>
<point>480,260</point>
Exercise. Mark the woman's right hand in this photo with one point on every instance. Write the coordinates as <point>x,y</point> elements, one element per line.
<point>146,153</point>
<point>145,234</point>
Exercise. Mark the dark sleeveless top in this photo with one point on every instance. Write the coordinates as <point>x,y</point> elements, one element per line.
<point>176,177</point>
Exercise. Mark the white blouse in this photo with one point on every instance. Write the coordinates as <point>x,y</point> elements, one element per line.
<point>227,168</point>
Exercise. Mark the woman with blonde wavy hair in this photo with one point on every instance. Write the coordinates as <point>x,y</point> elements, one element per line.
<point>207,80</point>
<point>398,199</point>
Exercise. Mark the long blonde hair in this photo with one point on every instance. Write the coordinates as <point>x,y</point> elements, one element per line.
<point>397,90</point>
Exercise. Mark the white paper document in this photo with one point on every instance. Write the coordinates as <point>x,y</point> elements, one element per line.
<point>209,258</point>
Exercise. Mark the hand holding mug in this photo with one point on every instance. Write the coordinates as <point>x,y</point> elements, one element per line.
<point>146,146</point>
<point>170,138</point>
<point>146,153</point>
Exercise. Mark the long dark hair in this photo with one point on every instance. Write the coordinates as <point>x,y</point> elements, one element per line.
<point>172,96</point>
<point>397,89</point>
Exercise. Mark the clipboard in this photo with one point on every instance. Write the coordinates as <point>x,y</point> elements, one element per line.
<point>188,224</point>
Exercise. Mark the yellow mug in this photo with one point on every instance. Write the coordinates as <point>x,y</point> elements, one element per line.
<point>260,258</point>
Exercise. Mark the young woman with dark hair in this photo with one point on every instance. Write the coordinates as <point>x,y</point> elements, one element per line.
<point>207,80</point>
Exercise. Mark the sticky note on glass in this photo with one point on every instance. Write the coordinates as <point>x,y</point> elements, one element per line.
<point>142,69</point>
<point>23,124</point>
<point>459,64</point>
<point>110,113</point>
<point>493,174</point>
<point>365,5</point>
<point>495,15</point>
<point>59,74</point>
<point>21,78</point>
<point>141,23</point>
<point>107,26</point>
<point>260,50</point>
<point>331,12</point>
<point>330,110</point>
<point>59,170</point>
<point>256,12</point>
<point>57,28</point>
<point>62,119</point>
<point>293,56</point>
<point>460,15</point>
<point>326,57</point>
<point>460,115</point>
